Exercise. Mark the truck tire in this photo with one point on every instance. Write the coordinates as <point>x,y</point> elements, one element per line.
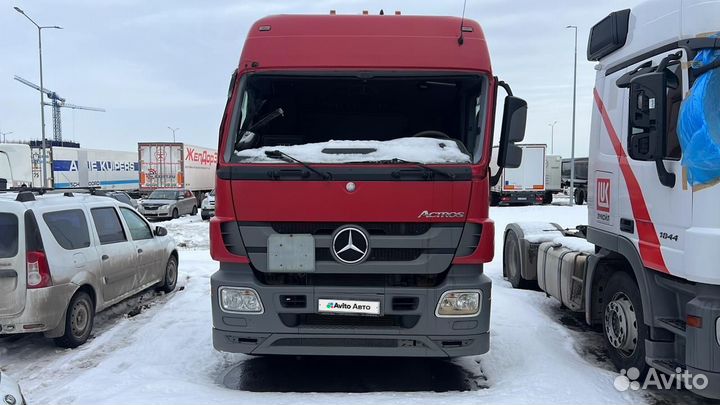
<point>79,320</point>
<point>547,198</point>
<point>579,196</point>
<point>494,199</point>
<point>512,261</point>
<point>624,329</point>
<point>171,275</point>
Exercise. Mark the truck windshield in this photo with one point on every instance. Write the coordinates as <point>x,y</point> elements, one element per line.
<point>163,195</point>
<point>364,118</point>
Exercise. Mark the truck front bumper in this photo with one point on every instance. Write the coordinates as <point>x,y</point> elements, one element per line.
<point>401,330</point>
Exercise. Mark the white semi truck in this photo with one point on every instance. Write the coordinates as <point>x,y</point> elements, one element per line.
<point>68,167</point>
<point>174,165</point>
<point>645,268</point>
<point>522,185</point>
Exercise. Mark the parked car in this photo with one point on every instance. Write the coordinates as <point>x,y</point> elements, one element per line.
<point>169,204</point>
<point>10,391</point>
<point>63,258</point>
<point>123,197</point>
<point>207,208</point>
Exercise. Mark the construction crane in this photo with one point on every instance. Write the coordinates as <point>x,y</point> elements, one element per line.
<point>56,102</point>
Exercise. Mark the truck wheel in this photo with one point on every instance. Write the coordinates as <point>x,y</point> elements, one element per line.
<point>79,321</point>
<point>623,325</point>
<point>194,211</point>
<point>171,275</point>
<point>494,199</point>
<point>547,198</point>
<point>175,213</point>
<point>512,261</point>
<point>579,197</point>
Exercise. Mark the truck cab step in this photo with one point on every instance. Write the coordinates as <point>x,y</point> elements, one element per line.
<point>676,326</point>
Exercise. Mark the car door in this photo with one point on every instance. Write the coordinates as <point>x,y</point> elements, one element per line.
<point>189,201</point>
<point>150,253</point>
<point>117,253</point>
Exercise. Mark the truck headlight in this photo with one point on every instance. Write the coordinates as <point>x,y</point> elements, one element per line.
<point>458,304</point>
<point>240,300</point>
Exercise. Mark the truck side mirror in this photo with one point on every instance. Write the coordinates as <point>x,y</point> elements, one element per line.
<point>647,113</point>
<point>647,116</point>
<point>512,131</point>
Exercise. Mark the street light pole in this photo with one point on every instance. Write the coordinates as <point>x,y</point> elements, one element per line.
<point>42,90</point>
<point>173,131</point>
<point>552,137</point>
<point>572,146</point>
<point>4,134</point>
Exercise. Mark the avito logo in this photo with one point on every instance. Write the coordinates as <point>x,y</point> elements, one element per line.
<point>603,195</point>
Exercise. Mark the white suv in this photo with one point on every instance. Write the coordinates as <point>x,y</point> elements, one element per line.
<point>64,257</point>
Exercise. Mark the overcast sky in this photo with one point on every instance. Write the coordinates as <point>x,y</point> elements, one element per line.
<point>154,64</point>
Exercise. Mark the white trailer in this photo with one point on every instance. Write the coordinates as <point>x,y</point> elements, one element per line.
<point>553,177</point>
<point>79,167</point>
<point>644,269</point>
<point>67,167</point>
<point>522,185</point>
<point>15,164</point>
<point>176,165</point>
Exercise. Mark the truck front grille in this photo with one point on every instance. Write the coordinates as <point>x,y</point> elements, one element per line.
<point>349,321</point>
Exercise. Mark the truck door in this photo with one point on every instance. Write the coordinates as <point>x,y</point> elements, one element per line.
<point>117,253</point>
<point>658,230</point>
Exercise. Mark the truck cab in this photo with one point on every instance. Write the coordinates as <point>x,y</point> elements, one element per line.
<point>352,189</point>
<point>649,277</point>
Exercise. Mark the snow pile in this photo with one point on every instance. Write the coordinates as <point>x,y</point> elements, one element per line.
<point>539,232</point>
<point>576,244</point>
<point>421,150</point>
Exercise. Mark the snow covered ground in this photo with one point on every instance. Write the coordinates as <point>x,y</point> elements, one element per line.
<point>157,349</point>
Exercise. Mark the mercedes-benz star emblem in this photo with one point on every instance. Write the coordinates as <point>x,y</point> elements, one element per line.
<point>350,245</point>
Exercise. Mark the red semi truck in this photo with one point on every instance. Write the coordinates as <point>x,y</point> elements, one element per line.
<point>352,188</point>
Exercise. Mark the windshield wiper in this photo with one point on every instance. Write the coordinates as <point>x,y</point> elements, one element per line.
<point>423,166</point>
<point>248,136</point>
<point>276,154</point>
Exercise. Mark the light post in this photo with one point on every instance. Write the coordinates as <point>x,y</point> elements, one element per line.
<point>552,137</point>
<point>4,134</point>
<point>572,145</point>
<point>42,89</point>
<point>173,131</point>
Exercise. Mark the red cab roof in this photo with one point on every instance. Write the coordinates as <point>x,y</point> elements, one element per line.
<point>367,42</point>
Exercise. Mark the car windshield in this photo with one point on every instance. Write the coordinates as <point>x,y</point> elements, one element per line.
<point>163,195</point>
<point>353,119</point>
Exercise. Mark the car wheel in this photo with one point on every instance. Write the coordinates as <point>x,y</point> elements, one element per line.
<point>194,211</point>
<point>171,274</point>
<point>175,213</point>
<point>205,217</point>
<point>79,321</point>
<point>623,327</point>
<point>512,261</point>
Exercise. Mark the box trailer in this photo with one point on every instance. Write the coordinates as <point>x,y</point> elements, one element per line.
<point>15,166</point>
<point>581,179</point>
<point>68,167</point>
<point>79,167</point>
<point>553,177</point>
<point>522,185</point>
<point>174,165</point>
